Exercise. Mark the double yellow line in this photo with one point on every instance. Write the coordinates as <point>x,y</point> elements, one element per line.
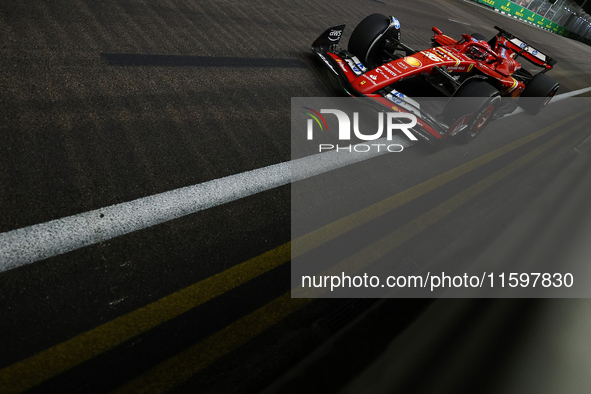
<point>42,366</point>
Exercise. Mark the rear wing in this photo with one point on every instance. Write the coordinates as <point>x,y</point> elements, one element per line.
<point>525,50</point>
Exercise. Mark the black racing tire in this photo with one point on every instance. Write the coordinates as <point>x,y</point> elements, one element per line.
<point>364,35</point>
<point>478,36</point>
<point>538,93</point>
<point>475,103</point>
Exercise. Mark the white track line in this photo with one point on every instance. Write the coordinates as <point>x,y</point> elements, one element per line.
<point>555,99</point>
<point>463,23</point>
<point>29,244</point>
<point>566,95</point>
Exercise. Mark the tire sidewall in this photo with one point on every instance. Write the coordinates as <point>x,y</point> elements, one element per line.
<point>538,93</point>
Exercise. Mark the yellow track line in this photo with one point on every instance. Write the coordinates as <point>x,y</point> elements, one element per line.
<point>42,366</point>
<point>186,364</point>
<point>181,367</point>
<point>32,371</point>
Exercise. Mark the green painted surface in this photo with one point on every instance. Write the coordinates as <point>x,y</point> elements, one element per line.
<point>518,11</point>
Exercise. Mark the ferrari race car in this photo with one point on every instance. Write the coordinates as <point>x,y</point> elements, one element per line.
<point>482,77</point>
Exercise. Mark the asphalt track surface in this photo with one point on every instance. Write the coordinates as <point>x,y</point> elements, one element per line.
<point>107,102</point>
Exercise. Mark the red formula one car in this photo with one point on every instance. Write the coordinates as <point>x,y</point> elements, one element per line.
<point>378,65</point>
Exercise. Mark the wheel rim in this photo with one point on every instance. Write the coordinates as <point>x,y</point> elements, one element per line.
<point>482,120</point>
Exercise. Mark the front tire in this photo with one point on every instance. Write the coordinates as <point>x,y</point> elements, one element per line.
<point>538,93</point>
<point>471,109</point>
<point>362,42</point>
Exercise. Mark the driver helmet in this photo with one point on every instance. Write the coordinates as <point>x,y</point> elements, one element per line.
<point>477,53</point>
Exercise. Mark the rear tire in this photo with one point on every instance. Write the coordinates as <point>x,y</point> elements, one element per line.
<point>538,93</point>
<point>478,36</point>
<point>491,42</point>
<point>474,105</point>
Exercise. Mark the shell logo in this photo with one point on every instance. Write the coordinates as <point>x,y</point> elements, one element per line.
<point>412,61</point>
<point>395,108</point>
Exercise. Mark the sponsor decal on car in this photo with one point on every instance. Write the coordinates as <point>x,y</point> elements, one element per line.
<point>389,71</point>
<point>456,69</point>
<point>528,49</point>
<point>431,56</point>
<point>359,64</point>
<point>379,70</point>
<point>451,57</point>
<point>403,101</point>
<point>353,67</point>
<point>399,97</point>
<point>370,79</point>
<point>402,65</point>
<point>443,55</point>
<point>391,67</point>
<point>342,66</point>
<point>335,35</point>
<point>412,61</point>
